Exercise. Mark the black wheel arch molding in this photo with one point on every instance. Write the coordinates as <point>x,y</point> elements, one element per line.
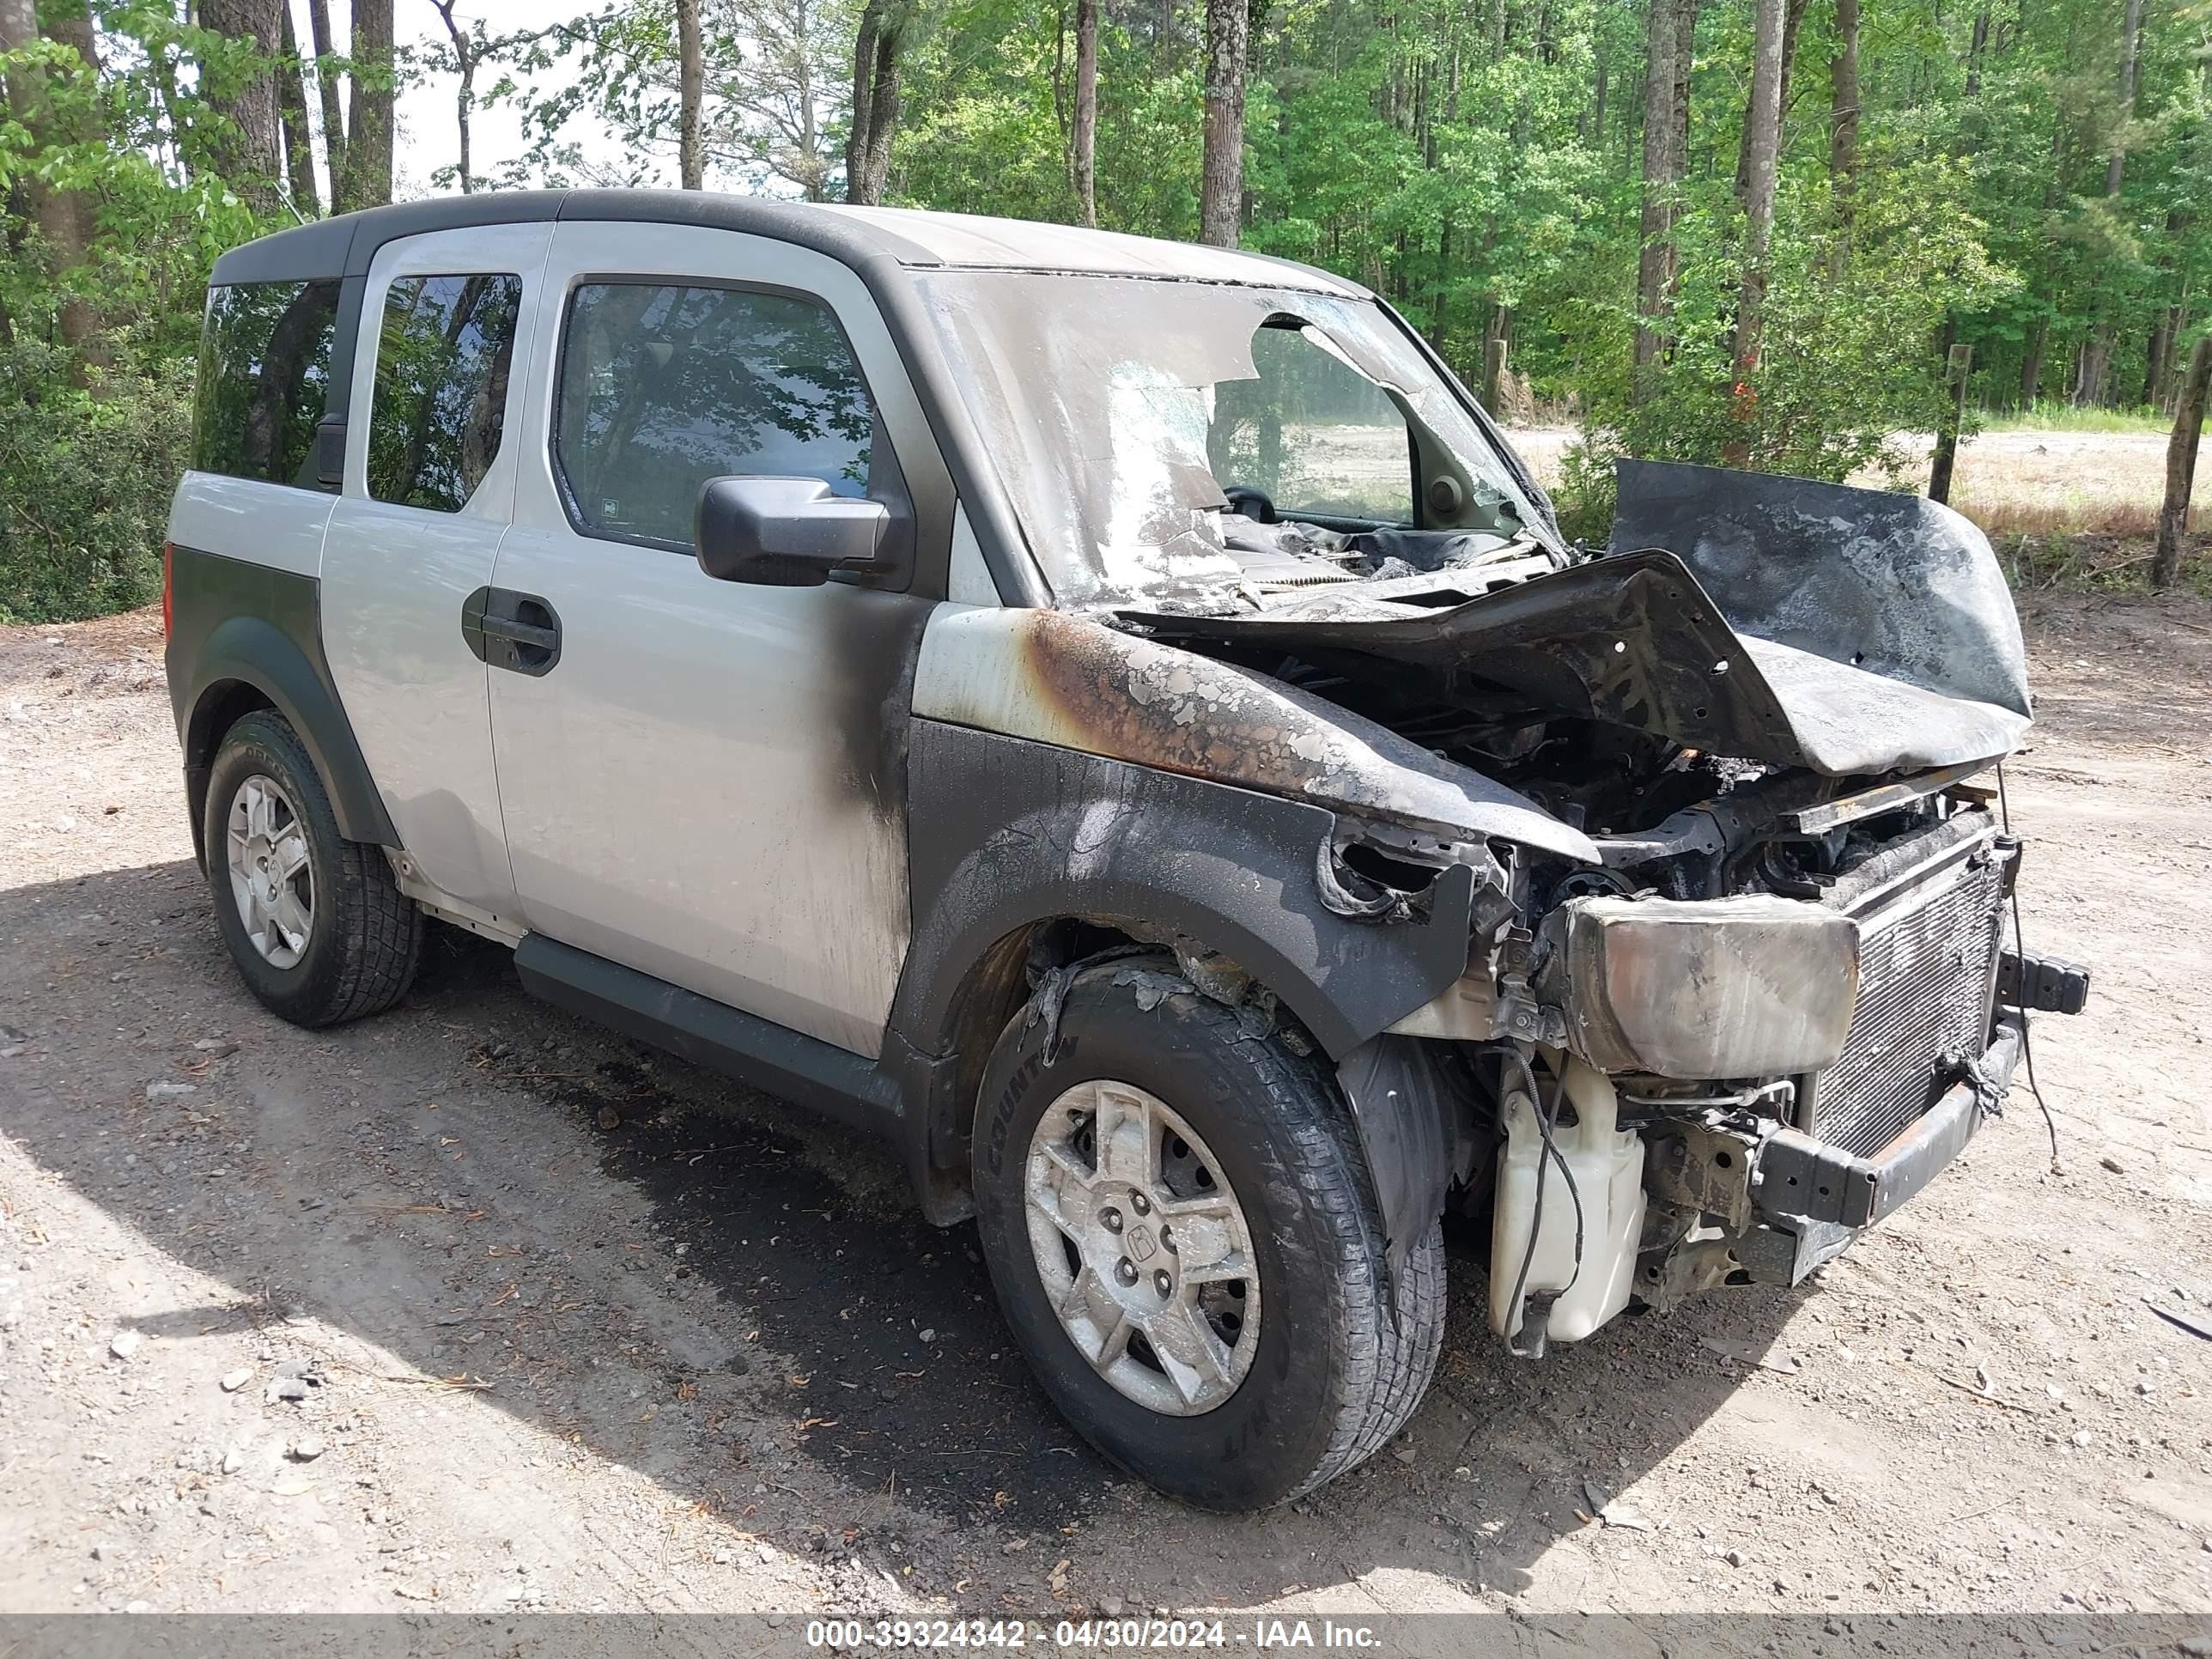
<point>1008,837</point>
<point>243,636</point>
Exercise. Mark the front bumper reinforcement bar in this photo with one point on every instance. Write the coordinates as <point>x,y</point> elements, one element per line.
<point>1800,1179</point>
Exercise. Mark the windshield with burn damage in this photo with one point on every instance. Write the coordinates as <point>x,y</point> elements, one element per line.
<point>1130,417</point>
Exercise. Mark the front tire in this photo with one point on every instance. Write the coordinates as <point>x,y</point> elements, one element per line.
<point>316,924</point>
<point>1254,1357</point>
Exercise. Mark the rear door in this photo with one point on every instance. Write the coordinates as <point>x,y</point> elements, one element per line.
<point>704,780</point>
<point>446,327</point>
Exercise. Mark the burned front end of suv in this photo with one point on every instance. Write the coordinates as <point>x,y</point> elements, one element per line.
<point>1779,992</point>
<point>1718,804</point>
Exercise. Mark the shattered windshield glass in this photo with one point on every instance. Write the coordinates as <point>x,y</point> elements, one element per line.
<point>1152,435</point>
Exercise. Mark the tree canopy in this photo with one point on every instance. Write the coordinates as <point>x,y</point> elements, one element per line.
<point>1740,231</point>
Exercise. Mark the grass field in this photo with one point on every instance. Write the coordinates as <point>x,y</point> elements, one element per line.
<point>2068,418</point>
<point>2019,480</point>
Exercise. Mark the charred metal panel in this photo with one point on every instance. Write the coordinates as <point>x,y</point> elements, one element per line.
<point>1633,640</point>
<point>1898,584</point>
<point>1853,722</point>
<point>1073,682</point>
<point>1004,833</point>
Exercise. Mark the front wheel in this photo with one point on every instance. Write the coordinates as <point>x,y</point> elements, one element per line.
<point>1183,1238</point>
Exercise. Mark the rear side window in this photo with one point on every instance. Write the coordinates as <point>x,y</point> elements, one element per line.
<point>662,386</point>
<point>440,401</point>
<point>264,378</point>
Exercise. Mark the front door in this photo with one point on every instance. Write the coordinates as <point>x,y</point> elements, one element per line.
<point>700,779</point>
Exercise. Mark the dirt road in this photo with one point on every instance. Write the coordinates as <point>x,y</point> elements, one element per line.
<point>706,1358</point>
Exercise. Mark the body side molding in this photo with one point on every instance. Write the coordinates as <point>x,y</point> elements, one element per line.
<point>819,1076</point>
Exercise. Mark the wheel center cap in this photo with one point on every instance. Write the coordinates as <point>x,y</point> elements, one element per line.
<point>1142,1245</point>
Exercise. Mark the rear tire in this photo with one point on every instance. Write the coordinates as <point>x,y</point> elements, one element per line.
<point>1330,1374</point>
<point>316,923</point>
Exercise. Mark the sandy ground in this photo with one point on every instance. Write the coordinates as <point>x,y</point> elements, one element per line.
<point>708,1359</point>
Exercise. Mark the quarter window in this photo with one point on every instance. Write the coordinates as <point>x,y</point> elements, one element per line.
<point>264,378</point>
<point>440,403</point>
<point>665,385</point>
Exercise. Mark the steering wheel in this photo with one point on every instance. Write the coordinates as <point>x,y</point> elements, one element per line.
<point>1251,503</point>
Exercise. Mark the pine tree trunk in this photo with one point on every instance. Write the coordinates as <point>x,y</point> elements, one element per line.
<point>1686,61</point>
<point>691,143</point>
<point>292,112</point>
<point>1085,136</point>
<point>1221,187</point>
<point>2030,364</point>
<point>369,147</point>
<point>326,88</point>
<point>2131,50</point>
<point>883,117</point>
<point>1497,338</point>
<point>1763,121</point>
<point>864,97</point>
<point>2181,466</point>
<point>65,217</point>
<point>875,103</point>
<point>1793,17</point>
<point>1844,118</point>
<point>1663,179</point>
<point>2158,358</point>
<point>250,155</point>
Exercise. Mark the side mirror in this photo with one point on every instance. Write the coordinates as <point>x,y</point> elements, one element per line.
<point>785,532</point>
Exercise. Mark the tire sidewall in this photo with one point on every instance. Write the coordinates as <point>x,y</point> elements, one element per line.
<point>263,745</point>
<point>1258,1447</point>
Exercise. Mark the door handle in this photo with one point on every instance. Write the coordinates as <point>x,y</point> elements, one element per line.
<point>519,632</point>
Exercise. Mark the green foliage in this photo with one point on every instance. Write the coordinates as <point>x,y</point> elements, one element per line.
<point>1847,361</point>
<point>97,353</point>
<point>84,487</point>
<point>1478,162</point>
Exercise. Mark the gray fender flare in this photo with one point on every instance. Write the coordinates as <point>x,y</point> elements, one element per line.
<point>250,651</point>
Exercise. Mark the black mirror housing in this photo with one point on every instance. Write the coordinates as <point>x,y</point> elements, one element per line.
<point>785,532</point>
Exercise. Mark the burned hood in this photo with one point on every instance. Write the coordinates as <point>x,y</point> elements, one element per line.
<point>1898,584</point>
<point>1839,659</point>
<point>1075,684</point>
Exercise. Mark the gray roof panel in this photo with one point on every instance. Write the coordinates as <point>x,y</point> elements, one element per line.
<point>345,246</point>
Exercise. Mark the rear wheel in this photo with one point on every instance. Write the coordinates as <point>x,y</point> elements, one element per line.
<point>316,924</point>
<point>1183,1238</point>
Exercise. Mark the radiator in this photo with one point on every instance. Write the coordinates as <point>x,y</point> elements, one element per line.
<point>1926,968</point>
